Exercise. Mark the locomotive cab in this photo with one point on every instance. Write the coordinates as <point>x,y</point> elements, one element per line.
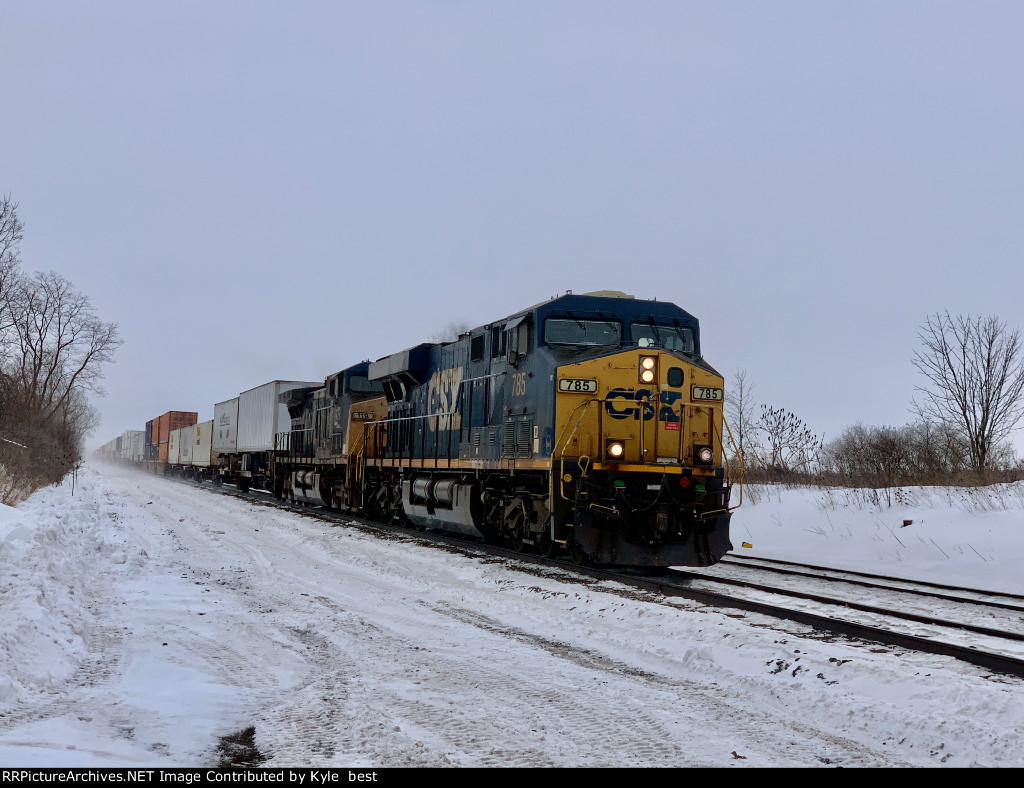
<point>638,466</point>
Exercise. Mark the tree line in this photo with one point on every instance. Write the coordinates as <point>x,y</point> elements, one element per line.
<point>52,350</point>
<point>964,412</point>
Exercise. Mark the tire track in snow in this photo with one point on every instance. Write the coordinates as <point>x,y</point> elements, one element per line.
<point>412,690</point>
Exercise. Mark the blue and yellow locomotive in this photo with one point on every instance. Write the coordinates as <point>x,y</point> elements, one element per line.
<point>588,423</point>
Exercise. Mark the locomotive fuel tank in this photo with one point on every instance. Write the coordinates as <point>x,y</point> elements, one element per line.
<point>443,503</point>
<point>308,486</point>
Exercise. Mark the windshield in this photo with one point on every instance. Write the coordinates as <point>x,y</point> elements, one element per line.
<point>582,332</point>
<point>668,337</point>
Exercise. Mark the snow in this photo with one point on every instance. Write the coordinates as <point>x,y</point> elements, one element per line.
<point>141,619</point>
<point>968,536</point>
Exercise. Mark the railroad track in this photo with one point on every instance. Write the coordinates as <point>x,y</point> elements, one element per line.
<point>996,645</point>
<point>996,599</point>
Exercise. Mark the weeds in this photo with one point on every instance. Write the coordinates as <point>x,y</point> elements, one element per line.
<point>238,750</point>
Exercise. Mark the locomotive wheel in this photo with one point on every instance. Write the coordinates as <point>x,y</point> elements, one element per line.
<point>377,505</point>
<point>515,525</point>
<point>519,537</point>
<point>576,553</point>
<point>397,510</point>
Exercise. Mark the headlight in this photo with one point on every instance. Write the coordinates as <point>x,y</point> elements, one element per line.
<point>614,449</point>
<point>648,369</point>
<point>703,454</point>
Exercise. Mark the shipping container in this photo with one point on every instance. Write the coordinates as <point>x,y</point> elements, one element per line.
<point>186,439</point>
<point>161,431</point>
<point>161,452</point>
<point>202,448</point>
<point>261,416</point>
<point>173,445</point>
<point>164,424</point>
<point>108,451</point>
<point>132,447</point>
<point>225,427</point>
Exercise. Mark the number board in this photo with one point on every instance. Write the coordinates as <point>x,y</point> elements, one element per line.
<point>577,385</point>
<point>703,392</point>
<point>362,415</point>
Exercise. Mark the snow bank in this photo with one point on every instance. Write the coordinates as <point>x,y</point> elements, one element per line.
<point>972,537</point>
<point>51,550</point>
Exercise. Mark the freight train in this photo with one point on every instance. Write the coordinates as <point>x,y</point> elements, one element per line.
<point>587,424</point>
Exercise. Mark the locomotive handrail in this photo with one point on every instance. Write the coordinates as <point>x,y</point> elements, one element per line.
<point>586,403</point>
<point>284,443</point>
<point>725,460</point>
<point>411,418</point>
<point>556,455</point>
<point>423,441</point>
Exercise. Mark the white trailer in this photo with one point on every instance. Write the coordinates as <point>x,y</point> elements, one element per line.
<point>202,449</point>
<point>132,446</point>
<point>261,416</point>
<point>225,427</point>
<point>174,442</point>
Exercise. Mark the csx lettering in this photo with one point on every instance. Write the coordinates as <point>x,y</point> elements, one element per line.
<point>631,397</point>
<point>666,413</point>
<point>443,392</point>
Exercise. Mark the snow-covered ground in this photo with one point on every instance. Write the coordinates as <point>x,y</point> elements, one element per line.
<point>959,536</point>
<point>142,619</point>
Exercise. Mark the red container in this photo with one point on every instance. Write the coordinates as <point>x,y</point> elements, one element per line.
<point>172,420</point>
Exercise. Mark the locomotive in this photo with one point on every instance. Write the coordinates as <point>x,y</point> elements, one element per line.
<point>589,424</point>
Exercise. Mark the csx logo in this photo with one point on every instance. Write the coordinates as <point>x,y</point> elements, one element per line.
<point>632,402</point>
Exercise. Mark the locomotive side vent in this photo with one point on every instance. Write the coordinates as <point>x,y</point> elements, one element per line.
<point>508,439</point>
<point>524,437</point>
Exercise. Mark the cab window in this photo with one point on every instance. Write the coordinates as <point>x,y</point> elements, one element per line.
<point>667,337</point>
<point>586,333</point>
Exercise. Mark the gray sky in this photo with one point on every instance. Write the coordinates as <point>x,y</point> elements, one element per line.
<point>277,190</point>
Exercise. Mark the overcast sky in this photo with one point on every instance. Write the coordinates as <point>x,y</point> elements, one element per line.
<point>255,191</point>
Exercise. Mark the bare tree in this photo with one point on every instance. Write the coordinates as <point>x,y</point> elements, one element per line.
<point>11,230</point>
<point>940,453</point>
<point>56,345</point>
<point>52,351</point>
<point>792,446</point>
<point>974,368</point>
<point>35,452</point>
<point>10,236</point>
<point>741,415</point>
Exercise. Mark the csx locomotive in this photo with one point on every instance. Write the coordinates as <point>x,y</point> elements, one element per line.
<point>587,423</point>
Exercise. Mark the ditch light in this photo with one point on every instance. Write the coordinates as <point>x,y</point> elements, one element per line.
<point>648,369</point>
